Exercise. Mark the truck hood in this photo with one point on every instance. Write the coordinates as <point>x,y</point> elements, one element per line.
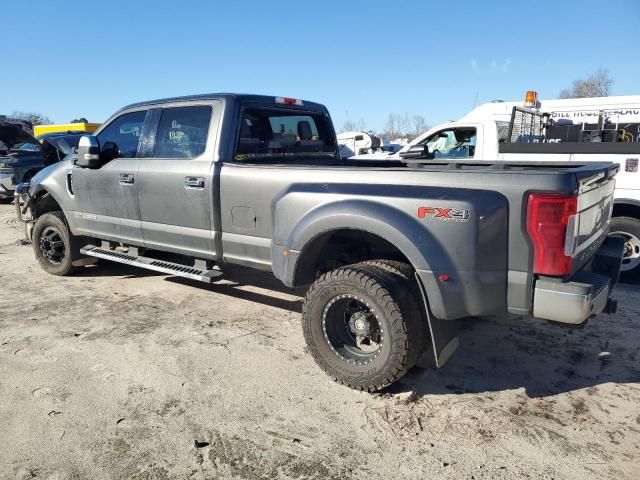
<point>11,134</point>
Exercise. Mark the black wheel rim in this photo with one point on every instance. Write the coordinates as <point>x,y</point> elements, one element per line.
<point>352,329</point>
<point>52,245</point>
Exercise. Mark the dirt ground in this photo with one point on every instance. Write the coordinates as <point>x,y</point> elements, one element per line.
<point>122,373</point>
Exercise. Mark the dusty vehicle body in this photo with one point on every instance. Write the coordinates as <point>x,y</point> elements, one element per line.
<point>392,252</point>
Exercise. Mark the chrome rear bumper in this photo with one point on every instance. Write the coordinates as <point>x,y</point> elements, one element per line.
<point>586,294</point>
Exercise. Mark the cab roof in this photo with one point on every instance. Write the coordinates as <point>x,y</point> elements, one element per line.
<point>238,97</point>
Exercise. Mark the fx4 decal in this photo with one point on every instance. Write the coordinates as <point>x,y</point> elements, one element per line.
<point>444,213</point>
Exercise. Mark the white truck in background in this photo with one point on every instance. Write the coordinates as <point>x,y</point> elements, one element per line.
<point>365,143</point>
<point>358,143</point>
<point>569,130</point>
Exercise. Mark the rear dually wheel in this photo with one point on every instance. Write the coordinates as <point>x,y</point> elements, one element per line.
<point>358,329</point>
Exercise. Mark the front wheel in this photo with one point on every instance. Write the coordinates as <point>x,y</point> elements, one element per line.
<point>54,245</point>
<point>629,229</point>
<point>358,329</point>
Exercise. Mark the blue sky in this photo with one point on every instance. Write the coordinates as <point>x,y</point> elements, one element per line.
<point>361,59</point>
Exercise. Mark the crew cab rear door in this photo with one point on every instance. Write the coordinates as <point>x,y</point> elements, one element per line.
<point>175,179</point>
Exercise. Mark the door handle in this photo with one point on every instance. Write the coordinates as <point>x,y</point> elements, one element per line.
<point>126,179</point>
<point>194,182</point>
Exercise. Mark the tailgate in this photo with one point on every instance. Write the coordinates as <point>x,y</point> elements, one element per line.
<point>591,224</point>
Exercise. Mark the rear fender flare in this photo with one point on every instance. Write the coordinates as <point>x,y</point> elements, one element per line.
<point>402,229</point>
<point>396,226</point>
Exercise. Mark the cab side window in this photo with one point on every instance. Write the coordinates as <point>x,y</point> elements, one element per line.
<point>123,132</point>
<point>452,143</point>
<point>182,132</point>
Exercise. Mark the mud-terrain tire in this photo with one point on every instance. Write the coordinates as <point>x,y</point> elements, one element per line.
<point>629,228</point>
<point>328,332</point>
<point>54,245</point>
<point>408,292</point>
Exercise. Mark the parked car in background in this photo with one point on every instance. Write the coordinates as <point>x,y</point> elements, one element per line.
<point>22,156</point>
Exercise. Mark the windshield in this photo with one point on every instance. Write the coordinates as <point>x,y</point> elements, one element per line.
<point>275,133</point>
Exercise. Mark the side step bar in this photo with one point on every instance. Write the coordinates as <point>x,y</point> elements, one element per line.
<point>194,273</point>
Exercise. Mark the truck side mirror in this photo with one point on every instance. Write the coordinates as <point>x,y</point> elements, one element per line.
<point>109,151</point>
<point>415,151</point>
<point>88,152</point>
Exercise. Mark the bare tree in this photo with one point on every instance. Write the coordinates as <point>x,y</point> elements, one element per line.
<point>404,126</point>
<point>362,125</point>
<point>420,125</point>
<point>33,117</point>
<point>392,127</point>
<point>597,85</point>
<point>348,126</point>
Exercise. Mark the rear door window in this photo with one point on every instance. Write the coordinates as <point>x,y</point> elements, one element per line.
<point>125,132</point>
<point>182,132</point>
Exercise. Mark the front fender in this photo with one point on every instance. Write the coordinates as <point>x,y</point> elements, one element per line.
<point>51,180</point>
<point>50,177</point>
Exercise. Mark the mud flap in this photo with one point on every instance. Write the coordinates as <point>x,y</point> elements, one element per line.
<point>444,333</point>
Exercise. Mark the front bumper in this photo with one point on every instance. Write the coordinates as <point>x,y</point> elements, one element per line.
<point>586,294</point>
<point>7,185</point>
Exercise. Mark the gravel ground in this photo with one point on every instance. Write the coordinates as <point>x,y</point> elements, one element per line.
<point>121,373</point>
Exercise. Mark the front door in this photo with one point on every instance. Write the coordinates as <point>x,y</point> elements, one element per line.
<point>175,183</point>
<point>106,198</point>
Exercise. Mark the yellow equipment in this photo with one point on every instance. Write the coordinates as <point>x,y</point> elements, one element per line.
<point>40,130</point>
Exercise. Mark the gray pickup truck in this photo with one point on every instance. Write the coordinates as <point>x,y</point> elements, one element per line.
<point>391,252</point>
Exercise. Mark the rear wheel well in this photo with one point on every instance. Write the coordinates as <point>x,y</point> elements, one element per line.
<point>336,248</point>
<point>626,210</point>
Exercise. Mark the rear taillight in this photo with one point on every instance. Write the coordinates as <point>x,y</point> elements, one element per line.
<point>551,224</point>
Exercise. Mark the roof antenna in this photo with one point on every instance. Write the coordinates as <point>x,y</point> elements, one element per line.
<point>475,100</point>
